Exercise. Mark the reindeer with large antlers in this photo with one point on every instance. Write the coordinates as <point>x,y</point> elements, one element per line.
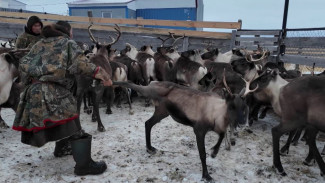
<point>101,58</point>
<point>204,111</point>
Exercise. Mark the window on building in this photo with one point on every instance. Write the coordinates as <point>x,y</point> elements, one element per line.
<point>106,14</point>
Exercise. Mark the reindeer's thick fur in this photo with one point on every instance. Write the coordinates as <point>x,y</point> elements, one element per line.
<point>8,71</point>
<point>201,110</point>
<point>189,72</point>
<point>163,65</point>
<point>119,74</point>
<point>302,103</point>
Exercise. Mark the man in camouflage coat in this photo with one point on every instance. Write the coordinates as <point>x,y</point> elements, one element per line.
<point>31,35</point>
<point>47,110</point>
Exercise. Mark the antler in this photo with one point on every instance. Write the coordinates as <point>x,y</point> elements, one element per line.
<point>175,39</point>
<point>118,34</point>
<point>247,90</point>
<point>262,57</point>
<point>163,40</point>
<point>4,44</point>
<point>91,35</point>
<point>225,83</point>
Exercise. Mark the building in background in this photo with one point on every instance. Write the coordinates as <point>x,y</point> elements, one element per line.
<point>186,10</point>
<point>12,4</point>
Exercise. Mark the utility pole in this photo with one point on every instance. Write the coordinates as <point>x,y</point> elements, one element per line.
<point>284,27</point>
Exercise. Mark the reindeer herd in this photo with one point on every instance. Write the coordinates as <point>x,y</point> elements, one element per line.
<point>207,90</point>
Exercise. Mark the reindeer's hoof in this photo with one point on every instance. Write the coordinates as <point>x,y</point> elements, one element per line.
<point>308,162</point>
<point>131,112</point>
<point>89,111</point>
<point>3,125</point>
<point>101,129</point>
<point>214,154</point>
<point>118,106</point>
<point>282,173</point>
<point>108,111</point>
<point>207,179</point>
<point>94,119</point>
<point>262,116</point>
<point>232,142</point>
<point>295,143</point>
<point>147,105</point>
<point>152,150</point>
<point>323,152</point>
<point>85,110</point>
<point>303,139</point>
<point>228,147</point>
<point>284,151</point>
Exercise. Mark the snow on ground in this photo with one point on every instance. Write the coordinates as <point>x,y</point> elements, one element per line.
<point>122,147</point>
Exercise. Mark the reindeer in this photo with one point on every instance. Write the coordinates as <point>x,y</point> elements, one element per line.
<point>204,111</point>
<point>10,88</point>
<point>302,104</point>
<point>97,90</point>
<point>188,69</point>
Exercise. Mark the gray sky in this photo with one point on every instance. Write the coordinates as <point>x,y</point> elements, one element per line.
<point>255,14</point>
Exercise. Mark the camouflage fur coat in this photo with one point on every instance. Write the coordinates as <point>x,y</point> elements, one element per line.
<point>27,40</point>
<point>47,101</point>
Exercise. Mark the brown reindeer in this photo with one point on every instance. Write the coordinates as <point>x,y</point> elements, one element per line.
<point>101,58</point>
<point>204,111</point>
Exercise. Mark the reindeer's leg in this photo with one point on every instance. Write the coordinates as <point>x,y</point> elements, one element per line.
<point>125,90</point>
<point>311,138</point>
<point>118,96</point>
<point>79,98</point>
<point>200,138</point>
<point>97,96</point>
<point>159,114</point>
<point>277,132</point>
<point>296,137</point>
<point>2,122</point>
<point>323,151</point>
<point>217,146</point>
<point>85,104</point>
<point>264,111</point>
<point>109,99</point>
<point>309,159</point>
<point>254,113</point>
<point>285,149</point>
<point>303,138</point>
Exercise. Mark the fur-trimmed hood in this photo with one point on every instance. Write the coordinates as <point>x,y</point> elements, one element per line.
<point>54,30</point>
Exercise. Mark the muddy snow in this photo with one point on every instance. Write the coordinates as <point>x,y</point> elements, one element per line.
<point>122,147</point>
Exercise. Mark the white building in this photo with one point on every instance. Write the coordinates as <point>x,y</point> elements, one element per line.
<point>12,4</point>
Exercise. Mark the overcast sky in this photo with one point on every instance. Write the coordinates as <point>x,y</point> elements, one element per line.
<point>255,14</point>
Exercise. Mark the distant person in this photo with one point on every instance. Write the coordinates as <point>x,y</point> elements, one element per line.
<point>31,35</point>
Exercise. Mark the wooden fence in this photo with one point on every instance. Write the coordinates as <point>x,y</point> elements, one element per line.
<point>133,24</point>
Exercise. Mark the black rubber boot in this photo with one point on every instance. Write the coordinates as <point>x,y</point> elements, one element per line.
<point>63,148</point>
<point>81,151</point>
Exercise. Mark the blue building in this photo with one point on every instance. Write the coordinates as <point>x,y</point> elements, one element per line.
<point>186,10</point>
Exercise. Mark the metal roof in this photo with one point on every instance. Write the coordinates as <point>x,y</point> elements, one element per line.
<point>78,2</point>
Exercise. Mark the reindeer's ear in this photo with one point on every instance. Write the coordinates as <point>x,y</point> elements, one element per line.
<point>192,52</point>
<point>151,47</point>
<point>185,54</point>
<point>226,94</point>
<point>143,48</point>
<point>216,52</point>
<point>115,50</point>
<point>97,45</point>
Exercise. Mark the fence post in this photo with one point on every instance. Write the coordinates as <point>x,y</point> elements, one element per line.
<point>233,39</point>
<point>185,43</point>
